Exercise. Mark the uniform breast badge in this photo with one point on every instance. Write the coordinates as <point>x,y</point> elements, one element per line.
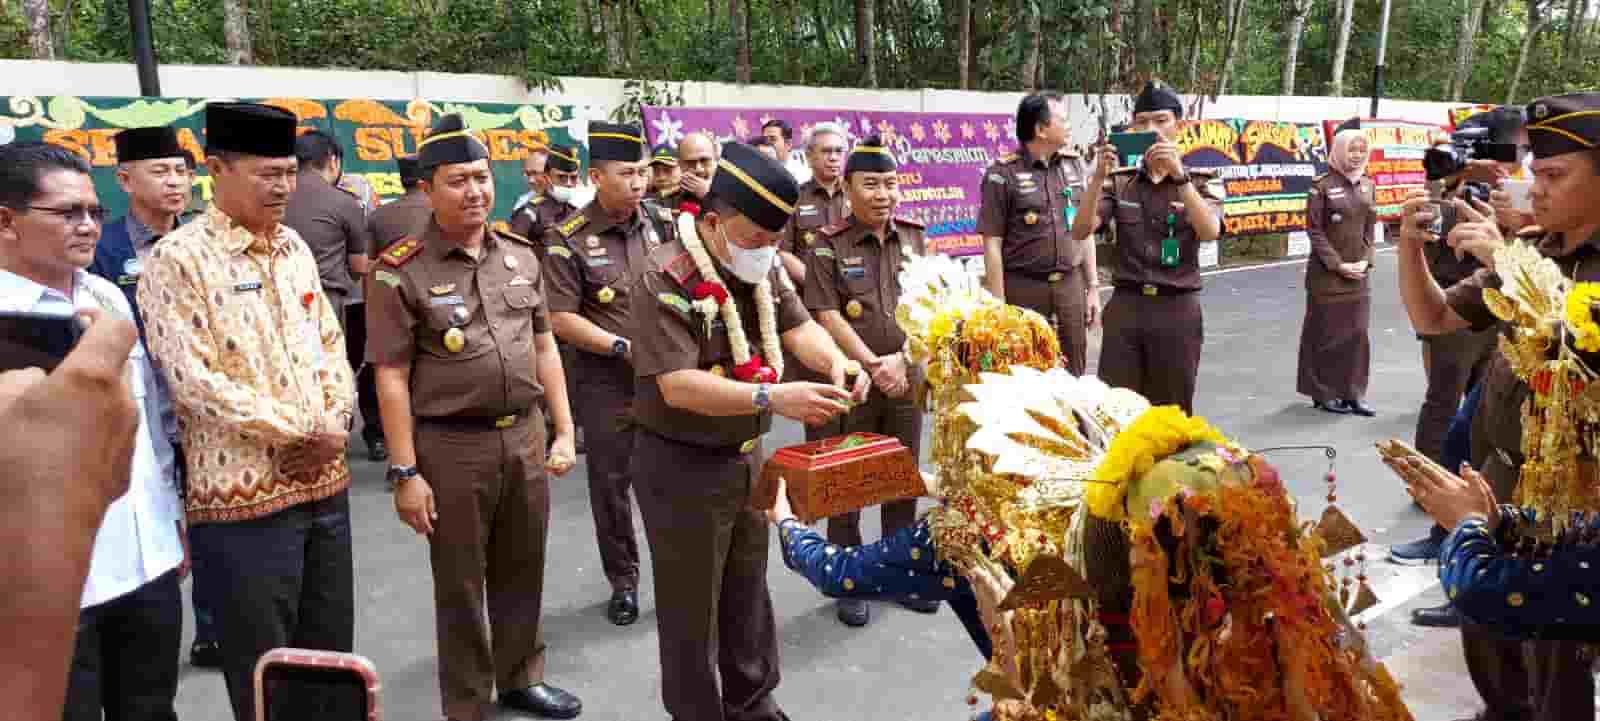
<point>605,295</point>
<point>853,309</point>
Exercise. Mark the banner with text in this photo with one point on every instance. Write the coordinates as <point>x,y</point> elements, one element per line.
<point>1266,168</point>
<point>942,156</point>
<point>1396,164</point>
<point>372,132</point>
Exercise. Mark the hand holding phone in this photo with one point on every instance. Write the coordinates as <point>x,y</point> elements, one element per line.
<point>36,340</point>
<point>1131,147</point>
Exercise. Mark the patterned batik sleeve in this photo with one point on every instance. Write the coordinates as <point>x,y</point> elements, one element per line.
<point>900,567</point>
<point>1547,596</point>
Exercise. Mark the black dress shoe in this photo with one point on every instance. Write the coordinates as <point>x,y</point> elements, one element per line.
<point>922,605</point>
<point>205,654</point>
<point>1331,407</point>
<point>624,607</point>
<point>1445,616</point>
<point>377,451</point>
<point>1360,409</point>
<point>853,612</point>
<point>577,442</point>
<point>542,700</point>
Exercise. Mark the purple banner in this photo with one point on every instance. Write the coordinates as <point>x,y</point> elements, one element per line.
<point>942,156</point>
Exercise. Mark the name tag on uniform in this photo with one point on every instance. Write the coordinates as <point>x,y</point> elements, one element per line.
<point>1127,204</point>
<point>248,286</point>
<point>855,273</point>
<point>447,300</point>
<point>519,280</point>
<point>1336,193</point>
<point>857,260</point>
<point>1024,177</point>
<point>808,210</point>
<point>598,262</point>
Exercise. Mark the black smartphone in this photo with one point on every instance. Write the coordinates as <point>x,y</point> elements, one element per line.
<point>36,340</point>
<point>303,685</point>
<point>1131,147</point>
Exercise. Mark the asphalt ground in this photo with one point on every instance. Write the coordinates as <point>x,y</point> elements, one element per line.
<point>906,665</point>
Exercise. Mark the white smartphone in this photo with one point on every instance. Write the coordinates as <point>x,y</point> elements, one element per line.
<point>1519,192</point>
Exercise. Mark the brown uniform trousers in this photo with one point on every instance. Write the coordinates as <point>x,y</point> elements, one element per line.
<point>1152,345</point>
<point>604,408</point>
<point>1061,301</point>
<point>1454,361</point>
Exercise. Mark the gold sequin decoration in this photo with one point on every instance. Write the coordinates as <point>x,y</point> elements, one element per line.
<point>1514,600</point>
<point>849,585</point>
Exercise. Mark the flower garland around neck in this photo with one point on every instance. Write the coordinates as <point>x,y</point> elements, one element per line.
<point>711,295</point>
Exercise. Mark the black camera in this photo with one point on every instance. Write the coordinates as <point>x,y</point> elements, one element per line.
<point>1466,145</point>
<point>1444,217</point>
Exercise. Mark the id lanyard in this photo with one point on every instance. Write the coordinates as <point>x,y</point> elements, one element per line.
<point>1169,244</point>
<point>1070,212</point>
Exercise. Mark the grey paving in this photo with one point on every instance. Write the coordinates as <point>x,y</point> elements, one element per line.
<point>906,665</point>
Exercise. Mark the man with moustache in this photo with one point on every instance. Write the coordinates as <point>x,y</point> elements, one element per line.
<point>697,158</point>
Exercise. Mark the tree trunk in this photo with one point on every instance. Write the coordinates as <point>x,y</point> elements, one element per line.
<point>1536,23</point>
<point>964,58</point>
<point>1299,9</point>
<point>741,38</point>
<point>611,28</point>
<point>1230,48</point>
<point>1030,61</point>
<point>1569,38</point>
<point>1347,16</point>
<point>866,53</point>
<point>585,23</point>
<point>1467,32</point>
<point>1138,50</point>
<point>39,40</point>
<point>1195,37</point>
<point>236,33</point>
<point>711,11</point>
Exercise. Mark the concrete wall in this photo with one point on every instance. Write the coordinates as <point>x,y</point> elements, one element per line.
<point>599,95</point>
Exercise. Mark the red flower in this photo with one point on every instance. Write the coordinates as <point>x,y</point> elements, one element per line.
<point>307,298</point>
<point>690,207</point>
<point>707,288</point>
<point>1214,609</point>
<point>748,370</point>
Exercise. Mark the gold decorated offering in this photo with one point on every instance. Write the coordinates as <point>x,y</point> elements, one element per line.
<point>841,474</point>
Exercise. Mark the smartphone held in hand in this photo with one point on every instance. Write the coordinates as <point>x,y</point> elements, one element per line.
<point>36,340</point>
<point>295,684</point>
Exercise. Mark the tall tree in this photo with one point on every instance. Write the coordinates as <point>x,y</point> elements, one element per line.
<point>611,27</point>
<point>1298,10</point>
<point>866,52</point>
<point>1347,16</point>
<point>1576,9</point>
<point>236,33</point>
<point>739,19</point>
<point>1538,17</point>
<point>1470,20</point>
<point>1230,44</point>
<point>964,60</point>
<point>40,42</point>
<point>1030,61</point>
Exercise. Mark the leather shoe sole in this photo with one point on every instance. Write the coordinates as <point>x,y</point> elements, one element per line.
<point>1331,407</point>
<point>1438,617</point>
<point>624,608</point>
<point>854,613</point>
<point>1360,409</point>
<point>921,605</point>
<point>543,700</point>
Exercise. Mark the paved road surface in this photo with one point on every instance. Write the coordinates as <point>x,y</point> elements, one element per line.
<point>905,665</point>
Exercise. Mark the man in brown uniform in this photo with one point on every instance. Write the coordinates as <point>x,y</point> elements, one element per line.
<point>1154,327</point>
<point>706,391</point>
<point>666,177</point>
<point>461,339</point>
<point>541,213</point>
<point>328,219</point>
<point>403,216</point>
<point>822,199</point>
<point>1563,132</point>
<point>852,287</point>
<point>1031,257</point>
<point>592,261</point>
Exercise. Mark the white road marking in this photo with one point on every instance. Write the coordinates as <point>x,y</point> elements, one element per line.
<point>1396,589</point>
<point>1258,266</point>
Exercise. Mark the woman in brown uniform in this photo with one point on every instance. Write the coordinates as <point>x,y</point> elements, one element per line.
<point>1334,348</point>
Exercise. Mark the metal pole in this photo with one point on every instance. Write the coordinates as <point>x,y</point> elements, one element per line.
<point>144,51</point>
<point>1377,71</point>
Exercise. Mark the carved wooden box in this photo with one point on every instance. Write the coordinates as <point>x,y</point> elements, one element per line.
<point>840,474</point>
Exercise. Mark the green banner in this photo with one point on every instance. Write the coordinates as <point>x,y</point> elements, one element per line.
<point>372,132</point>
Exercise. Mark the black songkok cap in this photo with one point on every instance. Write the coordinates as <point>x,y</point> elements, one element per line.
<point>1157,96</point>
<point>448,143</point>
<point>1351,124</point>
<point>869,156</point>
<point>147,143</point>
<point>665,155</point>
<point>755,185</point>
<point>409,172</point>
<point>563,158</point>
<point>251,129</point>
<point>1564,124</point>
<point>610,141</point>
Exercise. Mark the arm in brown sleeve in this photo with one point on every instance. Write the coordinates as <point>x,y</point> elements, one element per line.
<point>391,323</point>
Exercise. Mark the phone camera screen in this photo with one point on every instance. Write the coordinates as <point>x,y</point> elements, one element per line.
<point>302,693</point>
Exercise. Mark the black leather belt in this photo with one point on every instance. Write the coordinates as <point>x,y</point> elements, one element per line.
<point>733,451</point>
<point>475,423</point>
<point>1053,276</point>
<point>1153,289</point>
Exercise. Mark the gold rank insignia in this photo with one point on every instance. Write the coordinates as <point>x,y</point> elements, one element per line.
<point>605,294</point>
<point>810,237</point>
<point>1030,218</point>
<point>442,289</point>
<point>455,340</point>
<point>718,371</point>
<point>511,262</point>
<point>592,241</point>
<point>853,309</point>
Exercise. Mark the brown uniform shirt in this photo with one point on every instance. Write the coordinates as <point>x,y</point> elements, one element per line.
<point>1028,202</point>
<point>813,211</point>
<point>591,265</point>
<point>669,335</point>
<point>853,271</point>
<point>423,287</point>
<point>403,216</point>
<point>332,222</point>
<point>1340,219</point>
<point>537,216</point>
<point>1141,210</point>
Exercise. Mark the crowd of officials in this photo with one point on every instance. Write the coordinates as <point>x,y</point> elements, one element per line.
<point>669,302</point>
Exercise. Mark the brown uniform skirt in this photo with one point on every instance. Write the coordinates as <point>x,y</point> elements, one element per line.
<point>1335,352</point>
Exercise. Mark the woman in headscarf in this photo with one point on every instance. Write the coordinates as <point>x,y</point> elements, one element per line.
<point>1334,347</point>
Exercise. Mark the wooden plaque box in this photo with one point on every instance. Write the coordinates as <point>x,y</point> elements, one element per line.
<point>840,474</point>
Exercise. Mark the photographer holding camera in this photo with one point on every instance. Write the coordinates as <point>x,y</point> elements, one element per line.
<point>1553,681</point>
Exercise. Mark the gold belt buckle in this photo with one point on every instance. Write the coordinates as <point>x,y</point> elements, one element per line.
<point>1150,290</point>
<point>748,446</point>
<point>505,421</point>
<point>1055,277</point>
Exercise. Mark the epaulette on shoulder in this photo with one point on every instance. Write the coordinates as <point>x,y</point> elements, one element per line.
<point>505,230</point>
<point>1009,158</point>
<point>401,251</point>
<point>835,228</point>
<point>571,225</point>
<point>682,269</point>
<point>537,199</point>
<point>910,223</point>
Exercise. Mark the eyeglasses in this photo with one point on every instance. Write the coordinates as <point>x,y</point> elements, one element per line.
<point>75,214</point>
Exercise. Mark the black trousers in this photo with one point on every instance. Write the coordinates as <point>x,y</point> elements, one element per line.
<point>126,660</point>
<point>355,343</point>
<point>280,581</point>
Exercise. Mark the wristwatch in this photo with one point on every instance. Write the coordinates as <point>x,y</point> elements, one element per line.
<point>400,474</point>
<point>762,398</point>
<point>619,348</point>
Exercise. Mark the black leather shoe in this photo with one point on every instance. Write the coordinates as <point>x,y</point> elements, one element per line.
<point>1360,409</point>
<point>1331,407</point>
<point>577,442</point>
<point>377,451</point>
<point>922,605</point>
<point>853,612</point>
<point>205,654</point>
<point>624,607</point>
<point>1445,616</point>
<point>542,700</point>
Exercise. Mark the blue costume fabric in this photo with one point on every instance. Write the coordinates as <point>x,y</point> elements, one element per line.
<point>1549,594</point>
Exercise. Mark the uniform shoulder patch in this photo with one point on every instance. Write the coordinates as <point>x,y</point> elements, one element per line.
<point>558,249</point>
<point>401,251</point>
<point>537,199</point>
<point>822,251</point>
<point>572,224</point>
<point>387,278</point>
<point>835,228</point>
<point>506,231</point>
<point>910,223</point>
<point>674,301</point>
<point>682,269</point>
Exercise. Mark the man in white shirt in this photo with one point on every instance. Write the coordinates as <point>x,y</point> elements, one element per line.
<point>131,620</point>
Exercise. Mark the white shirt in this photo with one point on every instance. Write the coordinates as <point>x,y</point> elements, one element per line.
<point>138,540</point>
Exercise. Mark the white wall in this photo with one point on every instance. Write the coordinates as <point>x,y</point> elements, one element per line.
<point>31,77</point>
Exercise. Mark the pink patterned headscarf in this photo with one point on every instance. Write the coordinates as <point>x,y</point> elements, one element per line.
<point>1339,155</point>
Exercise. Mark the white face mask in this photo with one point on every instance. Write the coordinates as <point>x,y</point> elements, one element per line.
<point>577,196</point>
<point>751,266</point>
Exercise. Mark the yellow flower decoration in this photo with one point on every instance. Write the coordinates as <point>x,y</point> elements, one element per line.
<point>1158,433</point>
<point>1580,316</point>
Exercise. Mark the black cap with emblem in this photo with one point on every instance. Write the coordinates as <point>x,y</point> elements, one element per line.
<point>869,156</point>
<point>251,129</point>
<point>610,141</point>
<point>409,172</point>
<point>1564,124</point>
<point>755,185</point>
<point>147,143</point>
<point>563,158</point>
<point>1157,96</point>
<point>664,155</point>
<point>448,143</point>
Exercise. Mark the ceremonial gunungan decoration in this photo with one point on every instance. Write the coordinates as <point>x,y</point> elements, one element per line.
<point>1552,320</point>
